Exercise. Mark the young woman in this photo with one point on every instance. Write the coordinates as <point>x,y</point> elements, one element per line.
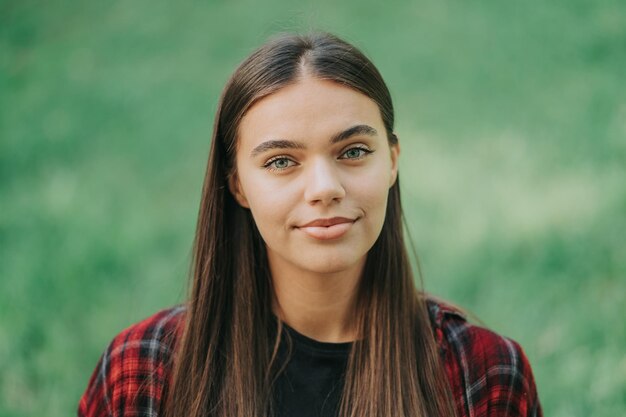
<point>302,300</point>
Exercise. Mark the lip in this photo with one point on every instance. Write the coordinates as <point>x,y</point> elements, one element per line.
<point>327,229</point>
<point>328,222</point>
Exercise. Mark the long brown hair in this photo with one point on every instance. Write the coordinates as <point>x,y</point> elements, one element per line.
<point>224,363</point>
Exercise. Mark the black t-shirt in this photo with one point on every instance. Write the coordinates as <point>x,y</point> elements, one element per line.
<point>312,382</point>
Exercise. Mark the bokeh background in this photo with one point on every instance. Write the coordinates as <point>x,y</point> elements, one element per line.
<point>512,121</point>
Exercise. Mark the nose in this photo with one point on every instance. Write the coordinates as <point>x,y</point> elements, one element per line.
<point>323,184</point>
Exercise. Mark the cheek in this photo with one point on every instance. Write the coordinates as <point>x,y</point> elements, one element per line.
<point>269,203</point>
<point>371,195</point>
<point>373,185</point>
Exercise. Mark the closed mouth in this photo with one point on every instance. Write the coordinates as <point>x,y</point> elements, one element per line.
<point>327,229</point>
<point>328,222</point>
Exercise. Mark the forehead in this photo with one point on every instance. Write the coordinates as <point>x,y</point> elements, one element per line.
<point>307,110</point>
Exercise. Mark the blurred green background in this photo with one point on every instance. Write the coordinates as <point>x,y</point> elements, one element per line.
<point>512,121</point>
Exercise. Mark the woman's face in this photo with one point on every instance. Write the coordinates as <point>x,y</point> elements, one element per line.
<point>314,167</point>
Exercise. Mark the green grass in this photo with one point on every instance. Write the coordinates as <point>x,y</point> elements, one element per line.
<point>512,121</point>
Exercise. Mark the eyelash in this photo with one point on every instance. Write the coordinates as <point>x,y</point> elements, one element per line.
<point>365,151</point>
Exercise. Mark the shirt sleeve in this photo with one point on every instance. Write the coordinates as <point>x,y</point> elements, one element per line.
<point>503,384</point>
<point>131,375</point>
<point>95,401</point>
<point>524,401</point>
<point>490,375</point>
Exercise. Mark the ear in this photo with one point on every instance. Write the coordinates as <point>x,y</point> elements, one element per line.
<point>236,190</point>
<point>395,153</point>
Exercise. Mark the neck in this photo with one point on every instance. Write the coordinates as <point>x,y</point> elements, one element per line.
<point>318,305</point>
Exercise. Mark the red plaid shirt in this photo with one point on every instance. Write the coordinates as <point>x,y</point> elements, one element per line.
<point>489,374</point>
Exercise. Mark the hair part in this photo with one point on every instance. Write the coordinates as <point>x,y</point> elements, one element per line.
<point>225,362</point>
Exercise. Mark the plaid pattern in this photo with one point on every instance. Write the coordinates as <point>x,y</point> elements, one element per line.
<point>489,374</point>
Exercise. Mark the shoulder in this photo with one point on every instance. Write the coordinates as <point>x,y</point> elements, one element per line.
<point>489,374</point>
<point>154,333</point>
<point>132,372</point>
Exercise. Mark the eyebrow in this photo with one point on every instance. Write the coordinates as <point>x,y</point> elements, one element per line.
<point>290,144</point>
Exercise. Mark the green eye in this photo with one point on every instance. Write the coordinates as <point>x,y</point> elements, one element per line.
<point>278,164</point>
<point>281,163</point>
<point>356,153</point>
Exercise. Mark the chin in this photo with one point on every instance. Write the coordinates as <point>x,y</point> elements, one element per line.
<point>326,269</point>
<point>330,264</point>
